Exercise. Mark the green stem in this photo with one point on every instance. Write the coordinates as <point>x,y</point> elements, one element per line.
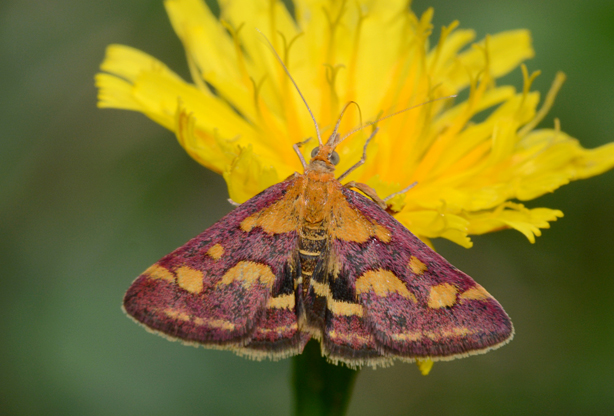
<point>320,388</point>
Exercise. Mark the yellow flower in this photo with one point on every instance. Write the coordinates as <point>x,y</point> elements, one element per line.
<point>241,115</point>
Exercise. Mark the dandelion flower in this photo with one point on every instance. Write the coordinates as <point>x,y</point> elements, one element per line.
<point>474,160</point>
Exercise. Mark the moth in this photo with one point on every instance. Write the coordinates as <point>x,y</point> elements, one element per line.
<point>309,257</point>
<point>312,258</point>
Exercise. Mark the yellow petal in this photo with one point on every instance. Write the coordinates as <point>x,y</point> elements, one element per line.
<point>207,148</point>
<point>384,189</point>
<point>425,366</point>
<point>432,224</point>
<point>249,175</point>
<point>242,114</point>
<point>551,158</point>
<point>506,51</point>
<point>114,92</point>
<point>516,216</point>
<point>204,37</point>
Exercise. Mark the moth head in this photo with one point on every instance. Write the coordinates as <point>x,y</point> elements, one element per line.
<point>325,155</point>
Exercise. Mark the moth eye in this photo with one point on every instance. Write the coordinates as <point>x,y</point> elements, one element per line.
<point>315,150</point>
<point>334,158</point>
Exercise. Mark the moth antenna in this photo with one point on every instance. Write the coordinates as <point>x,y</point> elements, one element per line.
<point>394,114</point>
<point>363,159</point>
<point>315,123</point>
<point>341,116</point>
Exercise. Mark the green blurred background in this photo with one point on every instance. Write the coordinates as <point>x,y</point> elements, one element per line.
<point>90,198</point>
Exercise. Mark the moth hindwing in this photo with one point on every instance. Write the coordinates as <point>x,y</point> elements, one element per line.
<point>309,257</point>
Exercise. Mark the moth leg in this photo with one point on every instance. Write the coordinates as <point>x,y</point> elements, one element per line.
<point>296,147</point>
<point>236,204</point>
<point>367,190</point>
<point>362,159</point>
<point>402,191</point>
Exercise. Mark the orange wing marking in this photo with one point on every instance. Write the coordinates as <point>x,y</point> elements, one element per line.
<point>475,293</point>
<point>416,266</point>
<point>216,252</point>
<point>348,224</point>
<point>190,279</point>
<point>248,273</point>
<point>382,282</point>
<point>158,272</point>
<point>281,302</point>
<point>442,296</point>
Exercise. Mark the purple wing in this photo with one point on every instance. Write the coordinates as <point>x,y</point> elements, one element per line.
<point>230,287</point>
<point>394,297</point>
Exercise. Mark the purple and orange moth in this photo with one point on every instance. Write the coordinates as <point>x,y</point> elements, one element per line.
<point>310,257</point>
